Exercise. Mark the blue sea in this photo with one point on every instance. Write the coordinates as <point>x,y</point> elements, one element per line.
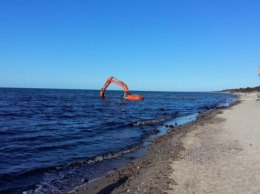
<point>52,140</point>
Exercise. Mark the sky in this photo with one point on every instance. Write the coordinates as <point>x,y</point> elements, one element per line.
<point>151,45</point>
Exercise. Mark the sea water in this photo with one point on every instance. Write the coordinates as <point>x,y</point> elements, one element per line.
<point>53,140</point>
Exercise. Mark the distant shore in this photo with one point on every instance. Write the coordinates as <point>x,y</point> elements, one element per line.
<point>217,153</point>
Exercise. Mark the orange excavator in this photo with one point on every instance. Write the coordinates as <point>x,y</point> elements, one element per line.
<point>127,95</point>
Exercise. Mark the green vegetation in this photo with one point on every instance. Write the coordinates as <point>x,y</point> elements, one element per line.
<point>244,90</point>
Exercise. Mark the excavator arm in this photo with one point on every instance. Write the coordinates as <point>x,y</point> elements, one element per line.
<point>102,91</point>
<point>114,81</point>
<point>127,94</point>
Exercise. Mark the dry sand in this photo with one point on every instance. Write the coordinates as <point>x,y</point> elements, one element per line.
<point>218,153</point>
<point>222,157</point>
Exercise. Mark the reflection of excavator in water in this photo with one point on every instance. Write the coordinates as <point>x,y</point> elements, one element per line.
<point>127,94</point>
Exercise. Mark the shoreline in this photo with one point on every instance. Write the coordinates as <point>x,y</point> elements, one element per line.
<point>149,174</point>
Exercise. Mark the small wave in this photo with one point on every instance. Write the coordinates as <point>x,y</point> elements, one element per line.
<point>14,114</point>
<point>221,104</point>
<point>7,133</point>
<point>67,116</point>
<point>32,138</point>
<point>97,158</point>
<point>208,107</point>
<point>150,122</point>
<point>34,172</point>
<point>226,102</point>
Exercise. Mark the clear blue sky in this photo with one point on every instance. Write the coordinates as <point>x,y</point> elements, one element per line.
<point>168,45</point>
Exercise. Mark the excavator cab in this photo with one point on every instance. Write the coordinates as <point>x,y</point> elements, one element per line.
<point>126,95</point>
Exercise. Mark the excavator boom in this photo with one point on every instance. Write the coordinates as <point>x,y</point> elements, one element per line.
<point>127,94</point>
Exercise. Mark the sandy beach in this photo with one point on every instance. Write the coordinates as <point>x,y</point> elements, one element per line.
<point>217,153</point>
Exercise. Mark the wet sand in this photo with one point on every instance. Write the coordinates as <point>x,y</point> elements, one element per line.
<point>218,153</point>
